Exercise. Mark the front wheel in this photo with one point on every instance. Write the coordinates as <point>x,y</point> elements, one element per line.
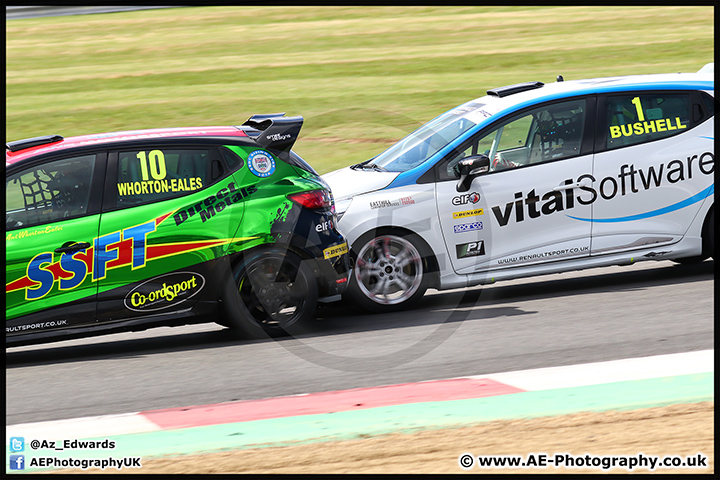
<point>274,293</point>
<point>390,272</point>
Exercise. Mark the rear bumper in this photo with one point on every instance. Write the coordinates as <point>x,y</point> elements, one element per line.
<point>333,273</point>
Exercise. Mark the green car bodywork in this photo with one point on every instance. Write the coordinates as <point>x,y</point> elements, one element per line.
<point>160,257</point>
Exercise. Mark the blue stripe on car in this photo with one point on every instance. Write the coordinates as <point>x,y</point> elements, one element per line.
<point>654,213</point>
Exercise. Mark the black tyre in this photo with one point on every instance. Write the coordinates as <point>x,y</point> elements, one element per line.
<point>390,273</point>
<point>274,293</point>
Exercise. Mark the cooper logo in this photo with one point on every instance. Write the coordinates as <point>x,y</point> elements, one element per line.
<point>467,198</point>
<point>164,291</point>
<point>472,249</point>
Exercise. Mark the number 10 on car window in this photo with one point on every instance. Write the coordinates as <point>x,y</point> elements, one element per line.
<point>157,165</point>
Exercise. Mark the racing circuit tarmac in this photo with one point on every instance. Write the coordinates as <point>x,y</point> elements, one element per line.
<point>596,315</point>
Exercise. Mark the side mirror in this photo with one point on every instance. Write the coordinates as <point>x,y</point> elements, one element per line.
<point>469,168</point>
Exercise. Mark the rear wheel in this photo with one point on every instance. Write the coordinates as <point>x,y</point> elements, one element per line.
<point>390,272</point>
<point>274,293</point>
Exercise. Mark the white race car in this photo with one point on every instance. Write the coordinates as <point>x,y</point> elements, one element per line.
<point>532,179</point>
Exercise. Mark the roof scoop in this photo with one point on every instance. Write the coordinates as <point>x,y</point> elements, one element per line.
<point>512,89</point>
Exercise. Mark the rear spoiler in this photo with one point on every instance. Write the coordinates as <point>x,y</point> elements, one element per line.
<point>277,132</point>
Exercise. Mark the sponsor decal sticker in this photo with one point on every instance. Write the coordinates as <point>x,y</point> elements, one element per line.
<point>276,137</point>
<point>164,291</point>
<point>207,208</point>
<point>392,203</point>
<point>122,248</point>
<point>261,164</point>
<point>540,255</point>
<point>38,325</point>
<point>472,249</point>
<point>468,213</point>
<point>629,181</point>
<point>324,226</point>
<point>32,233</point>
<point>335,251</point>
<point>467,227</point>
<point>467,198</point>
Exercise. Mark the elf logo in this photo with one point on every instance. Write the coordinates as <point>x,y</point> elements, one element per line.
<point>467,198</point>
<point>324,226</point>
<point>472,249</point>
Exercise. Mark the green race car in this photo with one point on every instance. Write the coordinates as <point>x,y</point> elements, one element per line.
<point>129,230</point>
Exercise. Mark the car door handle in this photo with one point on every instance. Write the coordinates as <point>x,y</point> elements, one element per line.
<point>75,247</point>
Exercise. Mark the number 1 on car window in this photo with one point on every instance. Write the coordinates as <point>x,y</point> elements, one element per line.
<point>638,106</point>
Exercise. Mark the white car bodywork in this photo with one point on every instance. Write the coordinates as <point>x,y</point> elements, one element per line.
<point>647,201</point>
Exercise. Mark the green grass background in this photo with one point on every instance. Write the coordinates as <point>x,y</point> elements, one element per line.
<point>363,77</point>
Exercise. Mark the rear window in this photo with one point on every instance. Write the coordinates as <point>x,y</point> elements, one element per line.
<point>297,161</point>
<point>638,117</point>
<point>233,160</point>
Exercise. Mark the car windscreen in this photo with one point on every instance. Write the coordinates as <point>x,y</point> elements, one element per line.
<point>423,143</point>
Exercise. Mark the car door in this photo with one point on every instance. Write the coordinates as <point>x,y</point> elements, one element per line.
<point>52,218</point>
<point>520,212</point>
<point>161,227</point>
<point>653,170</point>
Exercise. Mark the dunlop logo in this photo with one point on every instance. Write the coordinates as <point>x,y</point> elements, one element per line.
<point>335,251</point>
<point>468,213</point>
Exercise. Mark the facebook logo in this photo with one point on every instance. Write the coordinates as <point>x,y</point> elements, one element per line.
<point>17,462</point>
<point>17,444</point>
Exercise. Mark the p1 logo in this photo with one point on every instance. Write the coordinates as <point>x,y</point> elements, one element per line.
<point>472,249</point>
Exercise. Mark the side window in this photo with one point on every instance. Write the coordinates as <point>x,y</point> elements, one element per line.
<point>547,133</point>
<point>152,174</point>
<point>49,192</point>
<point>636,117</point>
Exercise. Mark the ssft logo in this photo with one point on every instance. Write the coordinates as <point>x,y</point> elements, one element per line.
<point>472,249</point>
<point>467,198</point>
